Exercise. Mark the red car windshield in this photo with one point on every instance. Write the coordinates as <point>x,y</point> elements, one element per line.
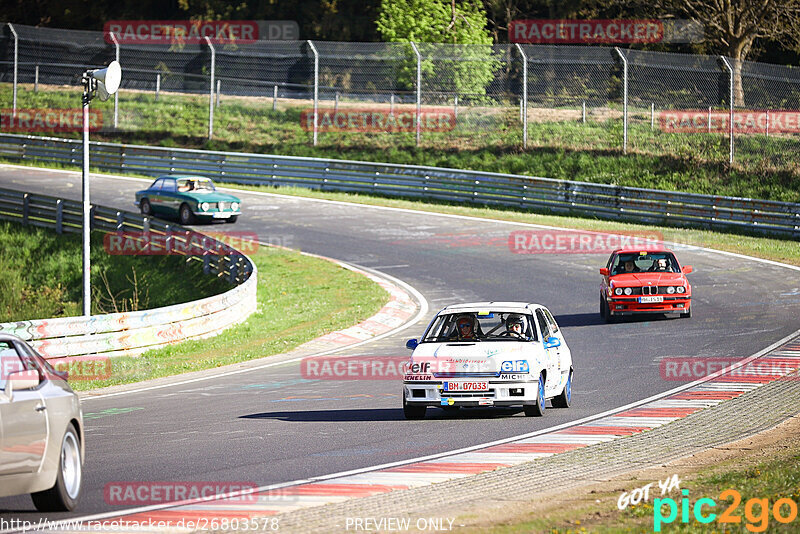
<point>652,262</point>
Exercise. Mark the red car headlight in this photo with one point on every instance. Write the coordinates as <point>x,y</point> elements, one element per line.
<point>680,289</point>
<point>628,291</point>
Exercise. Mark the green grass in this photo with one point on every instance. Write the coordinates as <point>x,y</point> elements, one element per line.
<point>487,139</point>
<point>299,298</point>
<point>41,273</point>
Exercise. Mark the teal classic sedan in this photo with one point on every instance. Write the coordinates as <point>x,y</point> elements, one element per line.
<point>189,198</point>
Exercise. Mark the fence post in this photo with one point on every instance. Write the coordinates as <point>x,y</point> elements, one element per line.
<point>709,119</point>
<point>419,87</point>
<point>116,93</point>
<point>158,85</point>
<point>232,269</point>
<point>455,107</point>
<point>583,112</point>
<point>729,68</point>
<point>274,98</point>
<point>36,79</point>
<point>16,63</point>
<point>59,216</point>
<point>168,235</point>
<point>624,100</point>
<point>219,83</point>
<point>391,106</point>
<point>26,208</point>
<point>524,96</point>
<point>211,89</point>
<point>336,104</point>
<point>652,115</point>
<point>316,87</point>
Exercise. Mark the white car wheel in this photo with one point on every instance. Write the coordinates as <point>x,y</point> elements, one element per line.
<point>63,496</point>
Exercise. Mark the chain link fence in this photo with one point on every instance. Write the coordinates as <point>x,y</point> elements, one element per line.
<point>401,95</point>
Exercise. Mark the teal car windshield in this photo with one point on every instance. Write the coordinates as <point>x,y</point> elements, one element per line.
<point>186,185</point>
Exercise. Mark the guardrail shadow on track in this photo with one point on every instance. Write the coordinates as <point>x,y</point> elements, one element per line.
<point>133,332</point>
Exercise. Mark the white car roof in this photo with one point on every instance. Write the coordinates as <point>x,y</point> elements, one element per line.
<point>520,307</point>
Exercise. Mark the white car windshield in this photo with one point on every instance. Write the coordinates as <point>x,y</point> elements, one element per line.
<point>481,326</point>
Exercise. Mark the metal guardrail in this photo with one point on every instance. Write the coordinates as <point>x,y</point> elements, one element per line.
<point>132,332</point>
<point>523,192</point>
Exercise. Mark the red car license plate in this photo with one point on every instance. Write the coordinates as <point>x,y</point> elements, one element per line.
<point>466,386</point>
<point>647,300</point>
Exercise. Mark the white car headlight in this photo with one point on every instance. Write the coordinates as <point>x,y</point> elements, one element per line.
<point>618,291</point>
<point>628,291</point>
<point>681,289</point>
<point>204,206</point>
<point>670,290</point>
<point>235,206</point>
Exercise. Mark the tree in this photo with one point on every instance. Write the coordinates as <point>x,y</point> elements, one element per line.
<point>733,27</point>
<point>433,21</point>
<point>463,70</point>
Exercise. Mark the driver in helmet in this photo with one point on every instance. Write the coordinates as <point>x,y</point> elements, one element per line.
<point>516,325</point>
<point>465,327</point>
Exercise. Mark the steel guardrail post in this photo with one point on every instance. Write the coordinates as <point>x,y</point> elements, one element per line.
<point>524,95</point>
<point>729,68</point>
<point>624,99</point>
<point>59,216</point>
<point>316,87</point>
<point>211,89</point>
<point>26,208</point>
<point>419,87</point>
<point>16,64</point>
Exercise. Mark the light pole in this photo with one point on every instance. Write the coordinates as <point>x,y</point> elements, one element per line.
<point>102,83</point>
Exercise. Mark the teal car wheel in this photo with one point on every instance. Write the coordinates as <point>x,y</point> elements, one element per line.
<point>185,214</point>
<point>145,208</point>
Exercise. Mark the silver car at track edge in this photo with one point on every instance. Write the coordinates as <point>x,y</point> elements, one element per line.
<point>41,430</point>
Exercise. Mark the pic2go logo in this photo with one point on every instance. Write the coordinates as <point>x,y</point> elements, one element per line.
<point>756,511</point>
<point>516,366</point>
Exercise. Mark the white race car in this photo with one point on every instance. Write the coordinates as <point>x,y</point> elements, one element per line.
<point>489,354</point>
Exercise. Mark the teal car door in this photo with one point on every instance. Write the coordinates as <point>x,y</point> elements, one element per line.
<point>152,196</point>
<point>170,200</point>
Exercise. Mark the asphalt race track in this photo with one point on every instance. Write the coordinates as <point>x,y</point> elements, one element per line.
<point>271,425</point>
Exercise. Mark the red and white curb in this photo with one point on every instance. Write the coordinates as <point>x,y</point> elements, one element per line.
<point>774,363</point>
